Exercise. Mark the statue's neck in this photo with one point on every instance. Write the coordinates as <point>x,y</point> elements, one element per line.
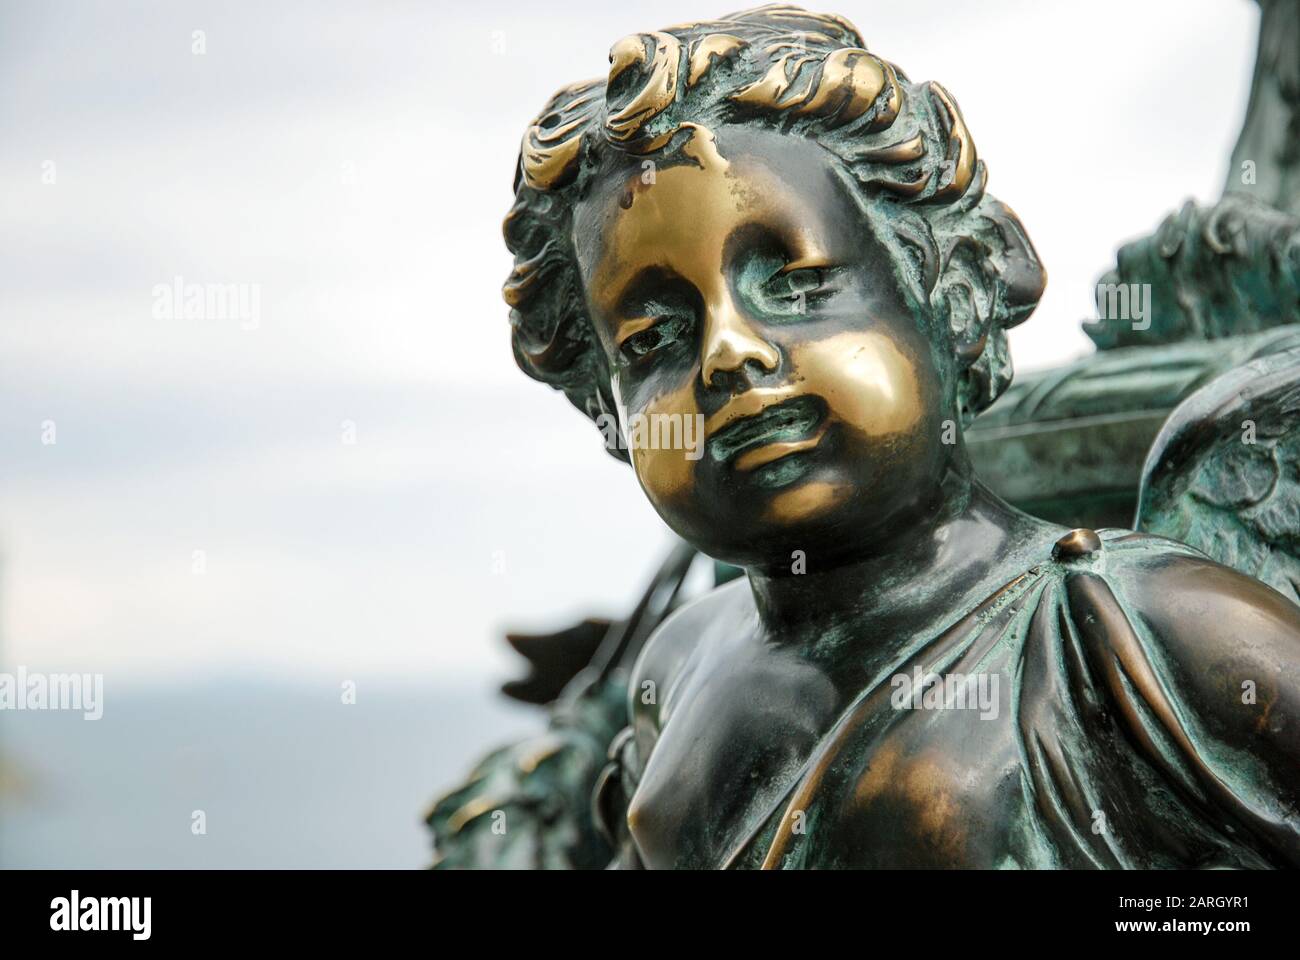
<point>908,582</point>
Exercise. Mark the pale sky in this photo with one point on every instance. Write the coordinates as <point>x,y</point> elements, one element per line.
<point>354,161</point>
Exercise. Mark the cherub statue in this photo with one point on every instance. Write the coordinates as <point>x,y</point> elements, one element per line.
<point>756,225</point>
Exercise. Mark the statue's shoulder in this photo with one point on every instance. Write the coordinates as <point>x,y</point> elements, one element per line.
<point>659,671</point>
<point>1180,594</point>
<point>677,644</point>
<point>1201,665</point>
<point>1196,610</point>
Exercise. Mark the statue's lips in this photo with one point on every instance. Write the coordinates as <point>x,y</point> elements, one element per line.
<point>761,426</point>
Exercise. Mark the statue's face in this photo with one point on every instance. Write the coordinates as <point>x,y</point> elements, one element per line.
<point>744,292</point>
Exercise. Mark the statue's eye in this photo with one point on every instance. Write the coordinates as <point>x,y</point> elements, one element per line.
<point>793,291</point>
<point>645,342</point>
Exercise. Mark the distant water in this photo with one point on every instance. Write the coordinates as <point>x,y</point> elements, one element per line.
<point>287,775</point>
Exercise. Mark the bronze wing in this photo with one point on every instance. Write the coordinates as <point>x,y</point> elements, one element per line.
<point>1224,472</point>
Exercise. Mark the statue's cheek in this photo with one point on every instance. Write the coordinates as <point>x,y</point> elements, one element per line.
<point>870,383</point>
<point>666,437</point>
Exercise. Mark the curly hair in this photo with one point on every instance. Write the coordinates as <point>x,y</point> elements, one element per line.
<point>903,147</point>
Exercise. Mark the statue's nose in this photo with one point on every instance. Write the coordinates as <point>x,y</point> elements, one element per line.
<point>730,341</point>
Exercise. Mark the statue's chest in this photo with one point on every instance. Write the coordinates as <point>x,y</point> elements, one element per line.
<point>734,732</point>
<point>927,786</point>
<point>771,767</point>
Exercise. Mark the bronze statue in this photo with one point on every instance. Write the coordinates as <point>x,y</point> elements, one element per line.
<point>756,226</point>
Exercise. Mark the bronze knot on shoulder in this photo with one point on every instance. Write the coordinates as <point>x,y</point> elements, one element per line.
<point>1076,544</point>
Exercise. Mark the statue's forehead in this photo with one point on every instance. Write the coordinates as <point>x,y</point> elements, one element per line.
<point>646,212</point>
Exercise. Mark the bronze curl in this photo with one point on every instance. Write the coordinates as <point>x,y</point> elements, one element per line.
<point>659,56</point>
<point>549,155</point>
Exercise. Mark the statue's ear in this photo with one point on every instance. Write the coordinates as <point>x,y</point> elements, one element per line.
<point>989,279</point>
<point>966,293</point>
<point>1021,277</point>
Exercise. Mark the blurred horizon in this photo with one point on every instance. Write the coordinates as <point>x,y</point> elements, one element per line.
<point>284,776</point>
